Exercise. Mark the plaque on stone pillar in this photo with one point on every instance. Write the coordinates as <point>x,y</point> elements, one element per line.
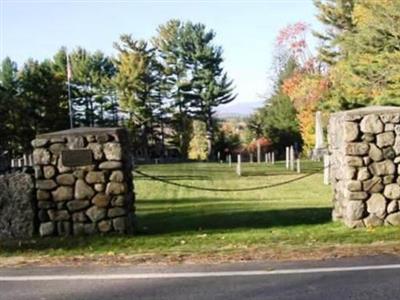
<point>76,158</point>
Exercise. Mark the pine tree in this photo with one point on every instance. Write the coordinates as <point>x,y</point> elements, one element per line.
<point>136,83</point>
<point>170,43</point>
<point>337,15</point>
<point>8,106</point>
<point>210,86</point>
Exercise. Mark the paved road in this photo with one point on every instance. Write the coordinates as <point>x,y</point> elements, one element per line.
<point>359,278</point>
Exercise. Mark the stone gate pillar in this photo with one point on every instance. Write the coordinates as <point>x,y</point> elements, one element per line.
<point>84,181</point>
<point>364,147</point>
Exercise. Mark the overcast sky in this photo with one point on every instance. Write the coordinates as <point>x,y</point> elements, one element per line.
<point>245,29</point>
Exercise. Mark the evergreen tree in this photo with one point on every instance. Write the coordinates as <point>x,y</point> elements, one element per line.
<point>136,83</point>
<point>8,106</point>
<point>209,85</point>
<point>43,99</point>
<point>170,43</point>
<point>337,15</point>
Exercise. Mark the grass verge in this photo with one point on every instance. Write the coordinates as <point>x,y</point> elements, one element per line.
<point>283,221</point>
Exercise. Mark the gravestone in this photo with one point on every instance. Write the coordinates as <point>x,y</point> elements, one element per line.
<point>364,147</point>
<point>320,147</point>
<point>84,181</point>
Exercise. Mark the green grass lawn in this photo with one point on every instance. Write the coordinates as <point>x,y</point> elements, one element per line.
<point>173,220</point>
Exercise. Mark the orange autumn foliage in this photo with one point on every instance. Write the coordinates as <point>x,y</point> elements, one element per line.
<point>306,91</point>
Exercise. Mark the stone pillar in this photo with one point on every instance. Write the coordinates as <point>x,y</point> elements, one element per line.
<point>364,164</point>
<point>84,181</point>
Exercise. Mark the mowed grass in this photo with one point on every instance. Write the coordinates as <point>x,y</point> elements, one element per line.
<point>288,212</point>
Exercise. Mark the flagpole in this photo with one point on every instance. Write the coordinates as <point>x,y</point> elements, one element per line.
<point>71,113</point>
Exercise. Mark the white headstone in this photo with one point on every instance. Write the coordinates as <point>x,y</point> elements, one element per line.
<point>291,158</point>
<point>287,158</point>
<point>238,167</point>
<point>319,131</point>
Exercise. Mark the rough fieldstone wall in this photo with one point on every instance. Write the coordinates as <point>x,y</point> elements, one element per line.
<point>84,199</point>
<point>364,147</point>
<point>16,206</point>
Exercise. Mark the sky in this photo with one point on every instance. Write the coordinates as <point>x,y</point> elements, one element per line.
<point>246,30</point>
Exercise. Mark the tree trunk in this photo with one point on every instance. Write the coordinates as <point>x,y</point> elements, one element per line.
<point>210,137</point>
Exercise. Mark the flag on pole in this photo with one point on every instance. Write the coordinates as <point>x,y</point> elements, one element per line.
<point>69,69</point>
<point>69,77</point>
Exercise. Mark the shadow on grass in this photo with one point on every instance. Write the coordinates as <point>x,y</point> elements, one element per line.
<point>194,202</point>
<point>170,222</point>
<point>173,177</point>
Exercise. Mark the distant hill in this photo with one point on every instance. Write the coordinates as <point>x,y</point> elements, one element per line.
<point>238,109</point>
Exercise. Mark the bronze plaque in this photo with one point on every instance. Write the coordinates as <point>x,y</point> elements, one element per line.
<point>76,158</point>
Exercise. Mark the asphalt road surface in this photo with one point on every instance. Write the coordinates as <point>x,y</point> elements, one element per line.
<point>357,278</point>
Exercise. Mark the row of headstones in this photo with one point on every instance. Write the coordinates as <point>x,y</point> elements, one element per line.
<point>269,158</point>
<point>25,161</point>
<point>291,162</point>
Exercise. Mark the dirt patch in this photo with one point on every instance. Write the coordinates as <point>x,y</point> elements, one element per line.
<point>247,255</point>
